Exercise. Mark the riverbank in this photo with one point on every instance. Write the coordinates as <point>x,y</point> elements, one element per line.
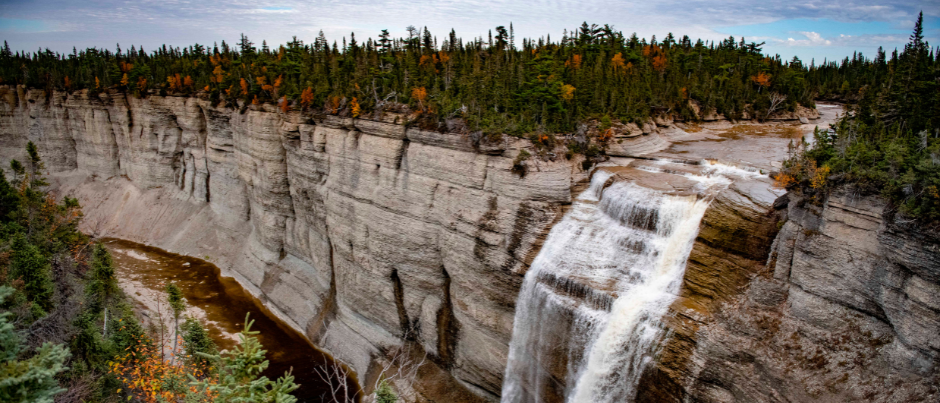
<point>221,304</point>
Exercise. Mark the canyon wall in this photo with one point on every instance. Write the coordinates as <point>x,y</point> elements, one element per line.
<point>840,305</point>
<point>367,234</point>
<point>358,233</point>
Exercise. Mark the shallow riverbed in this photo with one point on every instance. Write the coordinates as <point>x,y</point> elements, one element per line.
<point>221,304</point>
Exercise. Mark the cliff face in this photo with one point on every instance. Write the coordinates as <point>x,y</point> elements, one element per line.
<point>358,233</point>
<point>845,309</point>
<point>364,233</point>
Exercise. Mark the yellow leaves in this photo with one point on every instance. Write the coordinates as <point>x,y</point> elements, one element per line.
<point>354,107</point>
<point>567,92</point>
<point>818,176</point>
<point>97,83</point>
<point>124,80</point>
<point>141,83</point>
<point>261,80</point>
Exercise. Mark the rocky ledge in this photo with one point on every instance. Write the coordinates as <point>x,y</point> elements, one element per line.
<point>846,308</point>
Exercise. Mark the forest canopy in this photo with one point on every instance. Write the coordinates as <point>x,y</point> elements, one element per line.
<point>495,84</point>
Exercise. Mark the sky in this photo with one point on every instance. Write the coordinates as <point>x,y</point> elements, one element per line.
<point>809,29</point>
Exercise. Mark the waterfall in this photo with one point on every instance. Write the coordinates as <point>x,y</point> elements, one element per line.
<point>588,316</point>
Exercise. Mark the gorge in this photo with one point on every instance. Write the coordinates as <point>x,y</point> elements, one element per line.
<point>676,264</point>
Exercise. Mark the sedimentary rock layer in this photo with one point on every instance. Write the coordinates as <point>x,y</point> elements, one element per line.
<point>362,234</point>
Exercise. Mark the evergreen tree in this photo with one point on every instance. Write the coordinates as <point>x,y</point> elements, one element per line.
<point>239,374</point>
<point>29,380</point>
<point>27,264</point>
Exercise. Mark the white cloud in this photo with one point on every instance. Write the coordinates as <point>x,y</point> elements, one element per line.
<point>812,39</point>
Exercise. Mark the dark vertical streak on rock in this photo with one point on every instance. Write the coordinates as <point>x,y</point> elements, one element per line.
<point>402,153</point>
<point>403,320</point>
<point>447,326</point>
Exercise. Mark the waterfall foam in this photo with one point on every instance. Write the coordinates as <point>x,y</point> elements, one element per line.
<point>589,312</point>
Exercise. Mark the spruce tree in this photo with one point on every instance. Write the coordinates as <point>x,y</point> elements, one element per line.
<point>29,380</point>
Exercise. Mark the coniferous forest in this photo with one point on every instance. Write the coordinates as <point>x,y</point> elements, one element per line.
<point>492,83</point>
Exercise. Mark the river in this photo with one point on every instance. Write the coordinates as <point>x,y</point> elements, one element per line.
<point>221,303</point>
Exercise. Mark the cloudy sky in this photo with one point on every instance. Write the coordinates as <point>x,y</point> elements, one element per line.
<point>805,28</point>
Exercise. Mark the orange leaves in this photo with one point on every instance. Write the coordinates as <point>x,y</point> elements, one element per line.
<point>278,81</point>
<point>217,75</point>
<point>244,85</point>
<point>334,104</point>
<point>354,107</point>
<point>574,62</point>
<point>68,83</point>
<point>176,82</point>
<point>658,57</point>
<point>419,93</point>
<point>784,180</point>
<point>146,376</point>
<point>285,105</point>
<point>617,62</point>
<point>605,136</point>
<point>188,81</point>
<point>125,66</point>
<point>425,60</point>
<point>141,83</point>
<point>206,89</point>
<point>124,80</point>
<point>651,50</point>
<point>97,83</point>
<point>684,93</point>
<point>762,79</point>
<point>255,100</point>
<point>261,80</point>
<point>659,63</point>
<point>443,57</point>
<point>567,92</point>
<point>306,97</point>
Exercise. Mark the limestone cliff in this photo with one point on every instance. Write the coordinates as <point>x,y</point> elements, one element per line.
<point>845,309</point>
<point>358,233</point>
<point>367,234</point>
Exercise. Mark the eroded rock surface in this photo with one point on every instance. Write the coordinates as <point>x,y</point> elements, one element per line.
<point>360,234</point>
<point>845,309</point>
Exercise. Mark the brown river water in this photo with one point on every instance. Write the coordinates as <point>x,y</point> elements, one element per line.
<point>221,303</point>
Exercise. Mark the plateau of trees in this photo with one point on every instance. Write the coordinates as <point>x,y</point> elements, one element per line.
<point>888,142</point>
<point>493,84</point>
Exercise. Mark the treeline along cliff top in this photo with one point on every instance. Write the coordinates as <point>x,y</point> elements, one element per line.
<point>493,84</point>
<point>888,142</point>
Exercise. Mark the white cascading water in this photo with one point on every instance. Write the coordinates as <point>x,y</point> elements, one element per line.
<point>588,316</point>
